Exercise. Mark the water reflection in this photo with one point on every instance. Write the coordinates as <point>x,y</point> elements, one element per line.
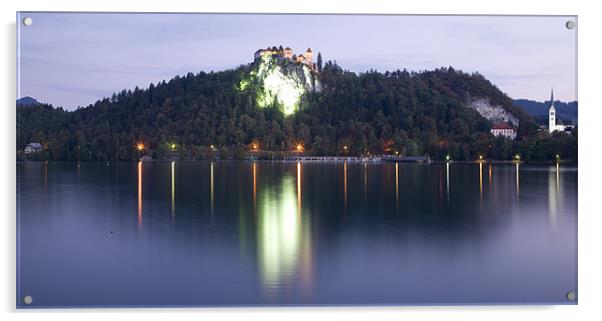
<point>365,181</point>
<point>212,191</point>
<point>299,188</point>
<point>481,180</point>
<point>517,179</point>
<point>45,176</point>
<point>447,179</point>
<point>554,195</point>
<point>345,183</point>
<point>396,185</point>
<point>254,187</point>
<point>284,250</point>
<point>272,257</point>
<point>173,189</point>
<point>557,176</point>
<point>140,194</point>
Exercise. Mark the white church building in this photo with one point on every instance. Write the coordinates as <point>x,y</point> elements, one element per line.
<point>553,124</point>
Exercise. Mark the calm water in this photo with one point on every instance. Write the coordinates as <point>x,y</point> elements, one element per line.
<point>200,234</point>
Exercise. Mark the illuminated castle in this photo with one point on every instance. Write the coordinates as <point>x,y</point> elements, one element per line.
<point>287,53</point>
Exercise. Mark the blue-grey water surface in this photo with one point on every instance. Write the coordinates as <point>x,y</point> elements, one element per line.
<point>242,233</point>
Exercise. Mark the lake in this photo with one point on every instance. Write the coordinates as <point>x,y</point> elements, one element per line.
<point>273,233</point>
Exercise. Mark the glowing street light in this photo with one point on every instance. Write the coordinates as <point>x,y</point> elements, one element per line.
<point>254,146</point>
<point>140,146</point>
<point>345,147</point>
<point>173,146</point>
<point>517,157</point>
<point>447,158</point>
<point>557,157</point>
<point>299,147</point>
<point>481,158</point>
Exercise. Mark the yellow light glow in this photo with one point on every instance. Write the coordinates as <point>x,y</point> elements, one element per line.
<point>345,147</point>
<point>140,146</point>
<point>173,146</point>
<point>299,147</point>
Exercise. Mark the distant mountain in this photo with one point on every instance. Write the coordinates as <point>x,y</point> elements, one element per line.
<point>567,112</point>
<point>27,101</point>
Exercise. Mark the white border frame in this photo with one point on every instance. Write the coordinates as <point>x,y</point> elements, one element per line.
<point>589,53</point>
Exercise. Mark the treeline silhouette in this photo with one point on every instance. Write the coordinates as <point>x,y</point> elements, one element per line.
<point>371,113</point>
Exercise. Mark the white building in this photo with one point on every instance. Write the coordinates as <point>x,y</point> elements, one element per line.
<point>33,148</point>
<point>503,129</point>
<point>553,124</point>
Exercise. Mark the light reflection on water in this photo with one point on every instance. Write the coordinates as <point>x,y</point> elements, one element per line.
<point>173,189</point>
<point>555,195</point>
<point>283,236</point>
<point>278,236</point>
<point>140,194</point>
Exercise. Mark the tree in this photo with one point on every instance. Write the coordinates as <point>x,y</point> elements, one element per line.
<point>411,113</point>
<point>319,61</point>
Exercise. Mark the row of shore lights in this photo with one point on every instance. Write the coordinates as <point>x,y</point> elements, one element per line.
<point>141,147</point>
<point>300,148</point>
<point>254,146</point>
<point>516,158</point>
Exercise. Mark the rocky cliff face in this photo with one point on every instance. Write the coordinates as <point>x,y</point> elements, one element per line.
<point>494,113</point>
<point>281,82</point>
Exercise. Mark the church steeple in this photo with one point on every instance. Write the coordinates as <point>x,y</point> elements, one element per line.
<point>552,115</point>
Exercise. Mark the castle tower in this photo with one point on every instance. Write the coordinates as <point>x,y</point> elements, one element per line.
<point>309,55</point>
<point>288,53</point>
<point>552,114</point>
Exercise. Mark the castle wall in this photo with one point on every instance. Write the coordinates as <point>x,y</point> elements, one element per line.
<point>306,58</point>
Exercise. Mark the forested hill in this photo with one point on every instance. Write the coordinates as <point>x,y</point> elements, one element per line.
<point>376,113</point>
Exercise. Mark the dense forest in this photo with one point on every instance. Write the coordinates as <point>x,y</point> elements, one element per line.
<point>371,113</point>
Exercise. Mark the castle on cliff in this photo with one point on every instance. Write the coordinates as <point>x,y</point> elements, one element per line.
<point>287,53</point>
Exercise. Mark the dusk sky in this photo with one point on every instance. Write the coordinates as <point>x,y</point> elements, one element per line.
<point>73,60</point>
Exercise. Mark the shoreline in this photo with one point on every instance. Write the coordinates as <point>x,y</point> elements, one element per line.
<point>372,162</point>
